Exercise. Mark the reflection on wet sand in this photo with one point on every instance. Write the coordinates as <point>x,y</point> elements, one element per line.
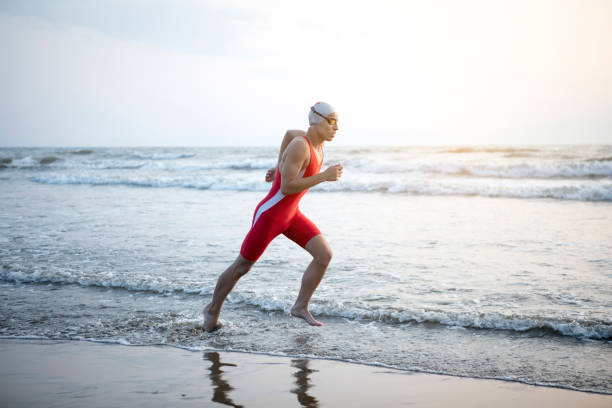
<point>222,387</point>
<point>302,382</point>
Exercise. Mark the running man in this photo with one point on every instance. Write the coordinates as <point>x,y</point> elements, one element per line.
<point>299,163</point>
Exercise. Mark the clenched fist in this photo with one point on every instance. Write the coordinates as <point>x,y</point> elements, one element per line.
<point>270,174</point>
<point>333,173</point>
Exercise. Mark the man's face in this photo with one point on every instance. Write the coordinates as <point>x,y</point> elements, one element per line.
<point>329,131</point>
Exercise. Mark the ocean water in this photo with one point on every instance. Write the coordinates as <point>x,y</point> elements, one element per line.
<point>489,262</point>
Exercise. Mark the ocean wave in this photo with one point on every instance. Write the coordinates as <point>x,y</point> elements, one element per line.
<point>244,165</point>
<point>30,162</point>
<point>24,162</point>
<point>580,328</point>
<point>197,184</point>
<point>48,160</point>
<point>170,166</point>
<point>5,162</point>
<point>82,151</point>
<point>162,156</point>
<point>569,190</point>
<point>524,170</point>
<point>574,191</point>
<point>600,159</point>
<point>159,285</point>
<point>485,149</point>
<point>376,162</point>
<point>100,165</point>
<point>58,164</point>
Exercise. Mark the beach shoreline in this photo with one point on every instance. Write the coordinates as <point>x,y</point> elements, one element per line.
<point>82,373</point>
<point>437,266</point>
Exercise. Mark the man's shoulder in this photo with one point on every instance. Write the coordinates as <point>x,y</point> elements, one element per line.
<point>296,132</point>
<point>299,145</point>
<point>299,142</point>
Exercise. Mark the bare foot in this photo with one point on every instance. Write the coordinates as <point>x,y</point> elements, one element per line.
<point>211,320</point>
<point>305,314</point>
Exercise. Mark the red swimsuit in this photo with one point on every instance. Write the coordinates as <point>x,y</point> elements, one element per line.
<point>278,213</point>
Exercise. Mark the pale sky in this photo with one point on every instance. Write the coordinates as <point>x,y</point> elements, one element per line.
<point>229,72</point>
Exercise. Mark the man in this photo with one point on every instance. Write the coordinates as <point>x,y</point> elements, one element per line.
<point>299,163</point>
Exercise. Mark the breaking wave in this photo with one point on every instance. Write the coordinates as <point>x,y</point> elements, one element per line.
<point>579,328</point>
<point>580,190</point>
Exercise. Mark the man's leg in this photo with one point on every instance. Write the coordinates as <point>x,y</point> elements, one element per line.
<point>225,284</point>
<point>321,257</point>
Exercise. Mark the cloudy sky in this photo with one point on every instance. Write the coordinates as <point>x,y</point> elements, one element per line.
<point>229,72</point>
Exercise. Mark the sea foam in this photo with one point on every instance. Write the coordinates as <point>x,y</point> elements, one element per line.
<point>580,328</point>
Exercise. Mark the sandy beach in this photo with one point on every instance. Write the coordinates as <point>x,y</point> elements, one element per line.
<point>42,373</point>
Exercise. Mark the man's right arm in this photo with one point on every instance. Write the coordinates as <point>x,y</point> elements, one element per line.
<point>296,156</point>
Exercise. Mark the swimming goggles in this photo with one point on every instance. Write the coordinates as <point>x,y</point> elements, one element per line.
<point>331,121</point>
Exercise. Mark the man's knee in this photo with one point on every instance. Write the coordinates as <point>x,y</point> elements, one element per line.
<point>324,256</point>
<point>242,266</point>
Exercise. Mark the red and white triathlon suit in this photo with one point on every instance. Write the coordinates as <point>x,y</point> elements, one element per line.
<point>278,213</point>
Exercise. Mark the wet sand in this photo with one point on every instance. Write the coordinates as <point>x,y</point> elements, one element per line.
<point>41,373</point>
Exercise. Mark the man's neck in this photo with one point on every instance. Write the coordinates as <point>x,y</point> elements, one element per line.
<point>316,140</point>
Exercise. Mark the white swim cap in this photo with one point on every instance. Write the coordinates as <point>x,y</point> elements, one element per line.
<point>323,108</point>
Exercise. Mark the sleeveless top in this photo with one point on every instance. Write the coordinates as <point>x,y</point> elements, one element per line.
<point>287,204</point>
